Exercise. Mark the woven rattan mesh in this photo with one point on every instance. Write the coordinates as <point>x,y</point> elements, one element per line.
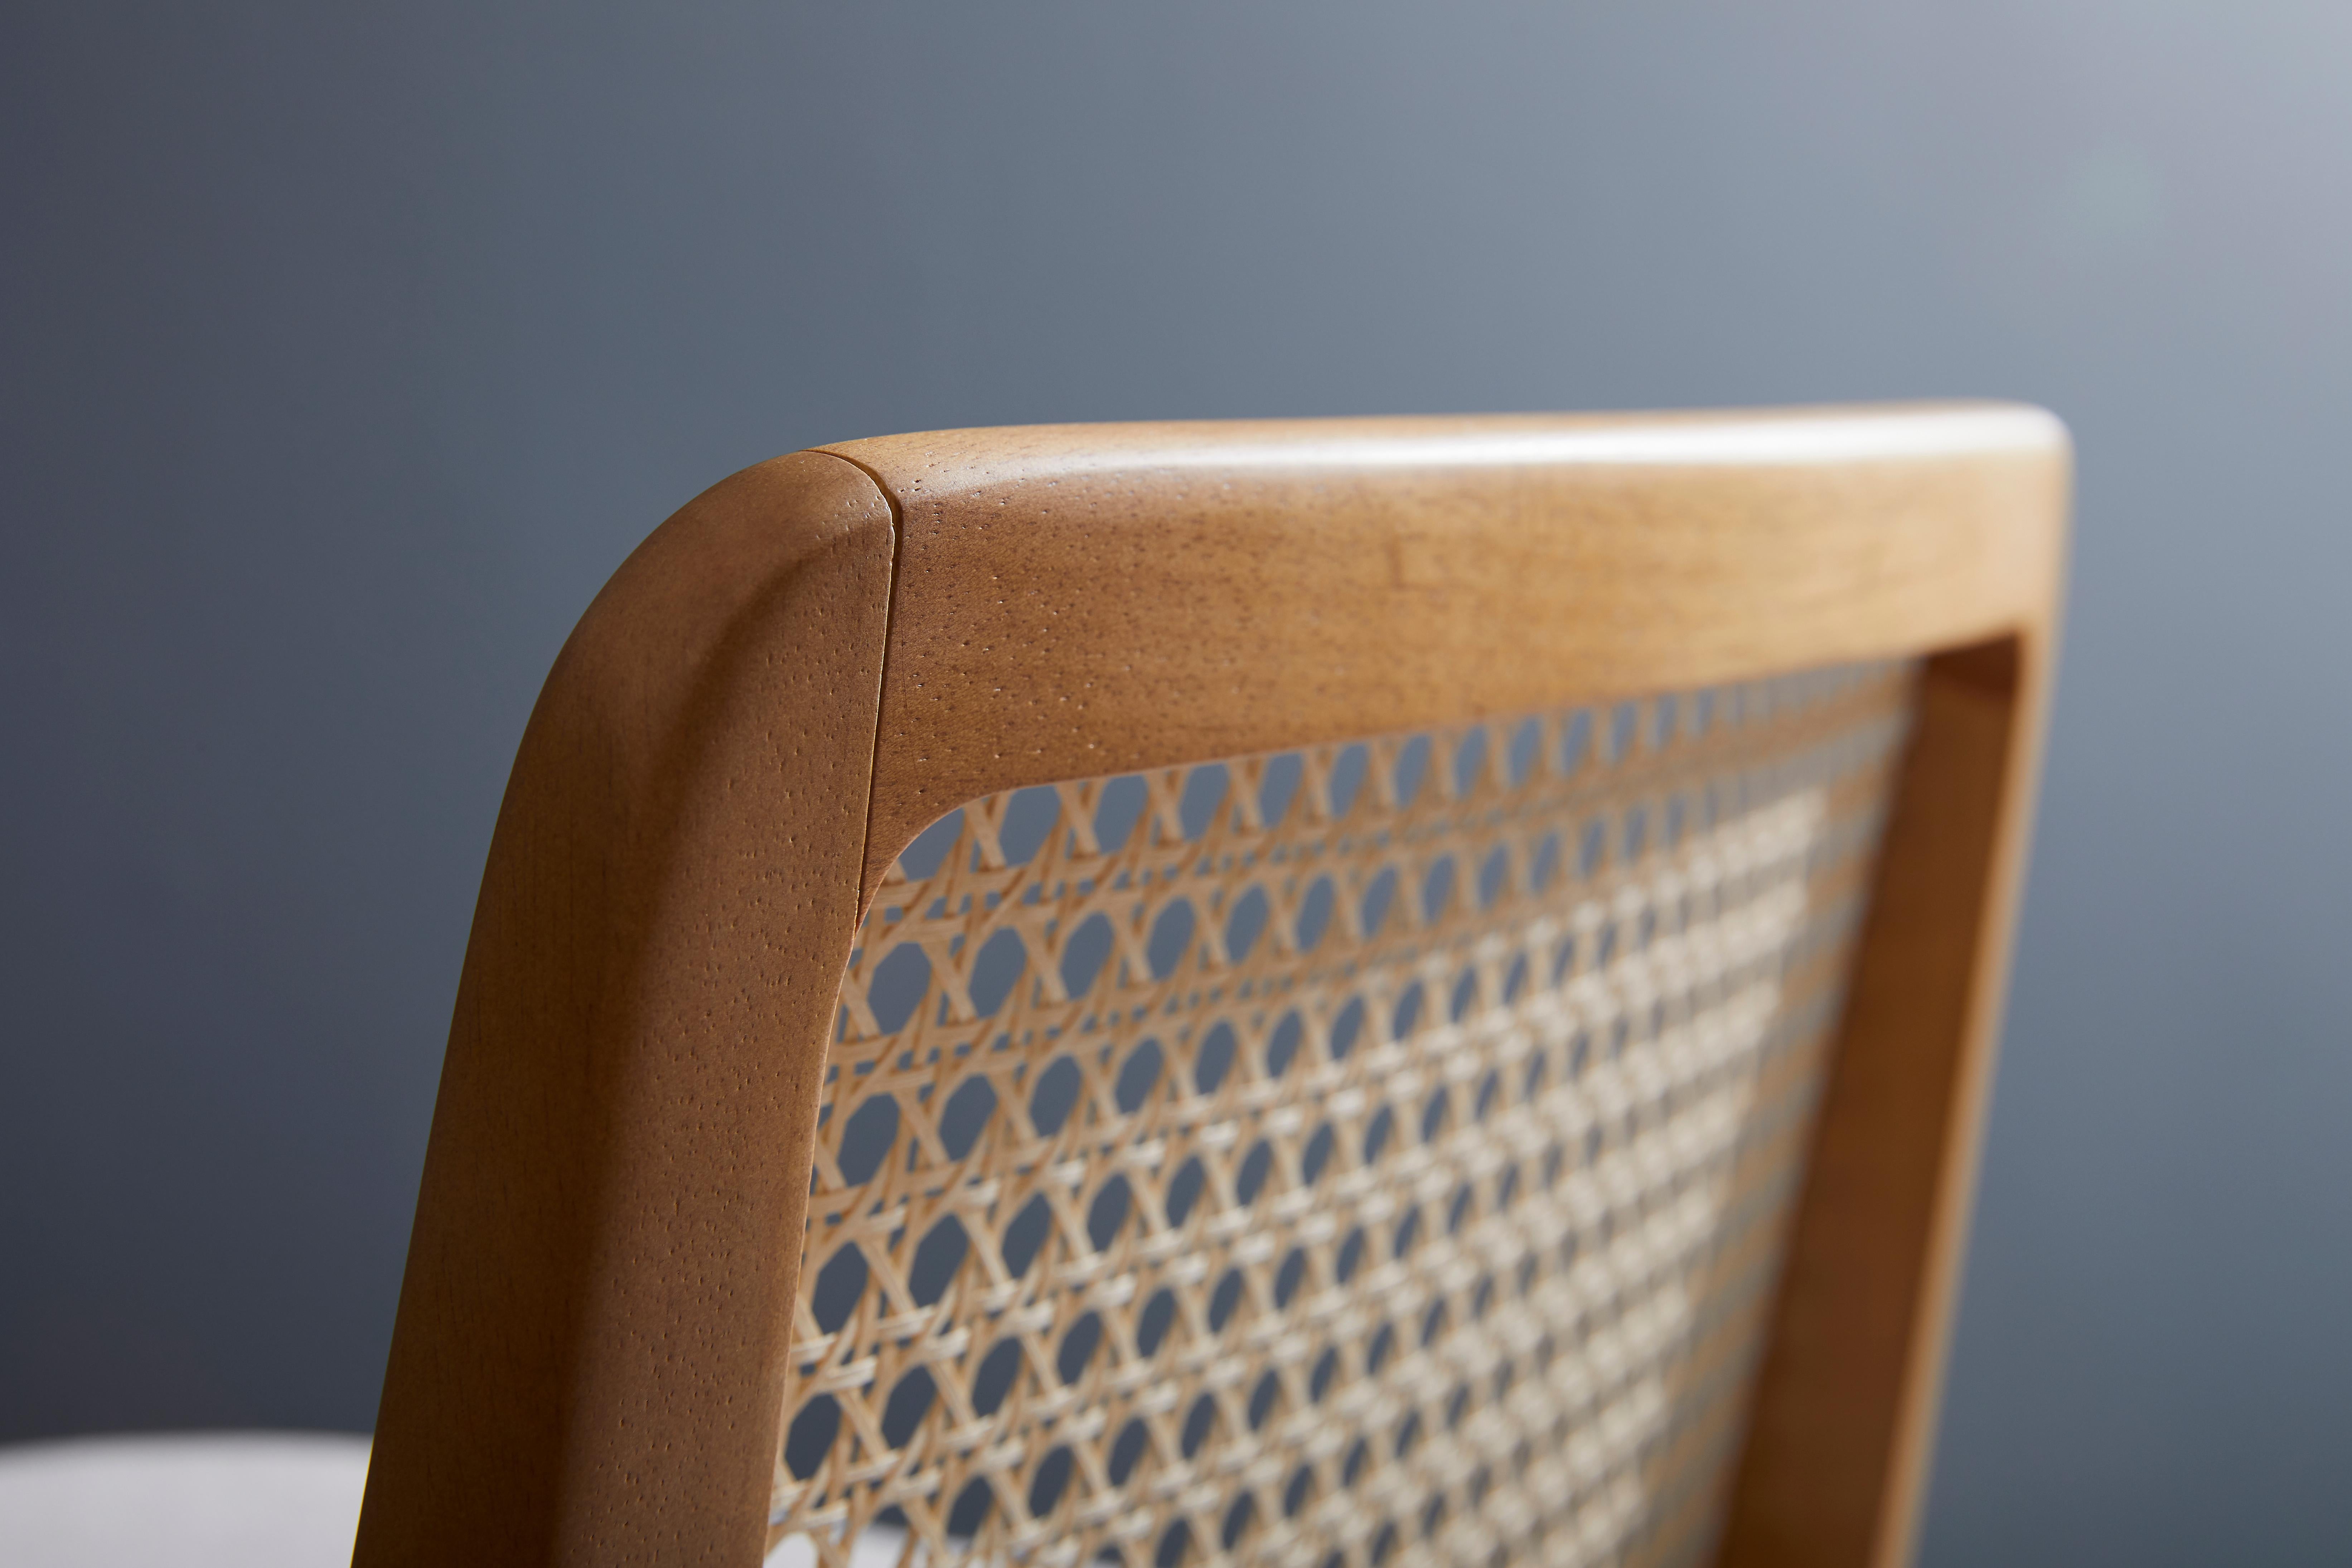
<point>1378,1152</point>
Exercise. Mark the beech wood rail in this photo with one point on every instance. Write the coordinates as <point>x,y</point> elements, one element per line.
<point>820,658</point>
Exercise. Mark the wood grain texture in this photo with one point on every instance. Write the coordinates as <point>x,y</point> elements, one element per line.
<point>761,710</point>
<point>588,1359</point>
<point>1078,600</point>
<point>1837,1457</point>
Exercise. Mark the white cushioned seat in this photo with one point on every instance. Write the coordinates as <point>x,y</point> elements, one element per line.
<point>209,1500</point>
<point>217,1499</point>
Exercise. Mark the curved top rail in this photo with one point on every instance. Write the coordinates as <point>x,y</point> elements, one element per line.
<point>1672,437</point>
<point>1082,599</point>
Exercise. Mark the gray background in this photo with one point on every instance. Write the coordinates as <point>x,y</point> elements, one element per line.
<point>346,350</point>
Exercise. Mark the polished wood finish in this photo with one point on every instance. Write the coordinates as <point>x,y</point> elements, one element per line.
<point>1075,600</point>
<point>1838,1448</point>
<point>589,1356</point>
<point>761,710</point>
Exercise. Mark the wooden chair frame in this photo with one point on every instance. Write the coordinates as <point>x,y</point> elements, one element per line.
<point>817,657</point>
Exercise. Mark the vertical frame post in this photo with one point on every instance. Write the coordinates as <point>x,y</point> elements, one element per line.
<point>1843,1426</point>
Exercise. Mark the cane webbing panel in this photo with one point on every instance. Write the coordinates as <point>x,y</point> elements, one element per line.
<point>1377,1153</point>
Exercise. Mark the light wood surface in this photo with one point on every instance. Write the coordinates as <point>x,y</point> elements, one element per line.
<point>589,1354</point>
<point>1084,599</point>
<point>760,712</point>
<point>1839,1445</point>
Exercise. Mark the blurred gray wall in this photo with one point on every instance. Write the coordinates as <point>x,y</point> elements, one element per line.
<point>346,349</point>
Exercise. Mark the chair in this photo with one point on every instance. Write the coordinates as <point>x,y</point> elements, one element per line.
<point>1351,992</point>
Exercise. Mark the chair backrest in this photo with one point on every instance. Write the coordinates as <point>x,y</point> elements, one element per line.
<point>1323,991</point>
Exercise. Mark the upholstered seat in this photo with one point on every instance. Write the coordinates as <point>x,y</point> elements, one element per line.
<point>207,1499</point>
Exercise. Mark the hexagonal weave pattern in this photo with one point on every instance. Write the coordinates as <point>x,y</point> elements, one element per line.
<point>1377,1153</point>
